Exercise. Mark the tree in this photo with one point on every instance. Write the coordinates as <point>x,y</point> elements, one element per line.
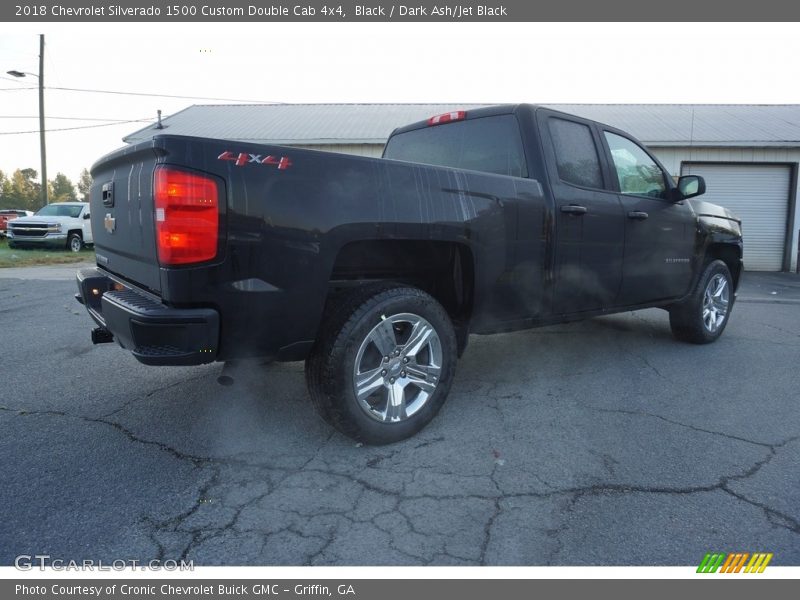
<point>61,189</point>
<point>5,189</point>
<point>84,183</point>
<point>23,191</point>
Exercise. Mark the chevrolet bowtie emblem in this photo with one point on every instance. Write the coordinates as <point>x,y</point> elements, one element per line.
<point>110,223</point>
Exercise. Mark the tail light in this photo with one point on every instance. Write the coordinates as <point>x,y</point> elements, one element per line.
<point>187,216</point>
<point>458,115</point>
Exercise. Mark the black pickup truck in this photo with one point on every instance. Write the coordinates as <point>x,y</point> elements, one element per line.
<point>375,271</point>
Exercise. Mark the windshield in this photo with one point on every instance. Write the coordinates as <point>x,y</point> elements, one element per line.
<point>60,210</point>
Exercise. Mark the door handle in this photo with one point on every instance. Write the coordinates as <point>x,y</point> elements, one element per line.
<point>108,194</point>
<point>573,209</point>
<point>638,215</point>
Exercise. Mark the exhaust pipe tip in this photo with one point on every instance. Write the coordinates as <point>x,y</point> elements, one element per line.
<point>101,335</point>
<point>227,376</point>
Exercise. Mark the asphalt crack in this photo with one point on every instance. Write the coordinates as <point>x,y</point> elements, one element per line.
<point>435,544</point>
<point>178,454</point>
<point>775,517</point>
<point>651,327</point>
<point>152,393</point>
<point>496,510</point>
<point>786,331</point>
<point>642,413</point>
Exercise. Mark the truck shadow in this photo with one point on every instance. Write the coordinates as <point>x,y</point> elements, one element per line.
<point>267,410</point>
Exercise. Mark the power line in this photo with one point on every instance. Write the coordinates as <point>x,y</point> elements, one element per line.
<point>118,92</point>
<point>14,79</point>
<point>74,128</point>
<point>68,118</point>
<point>16,89</point>
<point>67,89</point>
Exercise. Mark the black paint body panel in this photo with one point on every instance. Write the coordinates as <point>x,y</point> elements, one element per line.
<point>281,231</point>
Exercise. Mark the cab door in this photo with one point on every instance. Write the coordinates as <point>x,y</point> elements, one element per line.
<point>589,239</point>
<point>87,225</point>
<point>659,231</point>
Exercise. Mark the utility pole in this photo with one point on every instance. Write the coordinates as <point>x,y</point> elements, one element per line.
<point>45,192</point>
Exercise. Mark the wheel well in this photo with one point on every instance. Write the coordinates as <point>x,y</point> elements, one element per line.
<point>728,254</point>
<point>442,269</point>
<point>78,231</point>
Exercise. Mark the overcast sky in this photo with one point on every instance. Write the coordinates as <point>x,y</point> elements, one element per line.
<point>355,62</point>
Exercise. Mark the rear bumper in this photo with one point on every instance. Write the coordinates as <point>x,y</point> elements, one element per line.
<point>156,334</point>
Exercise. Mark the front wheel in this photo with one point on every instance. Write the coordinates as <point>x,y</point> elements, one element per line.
<point>702,317</point>
<point>383,363</point>
<point>74,242</point>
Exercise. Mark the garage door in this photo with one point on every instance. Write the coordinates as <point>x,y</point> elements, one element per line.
<point>759,195</point>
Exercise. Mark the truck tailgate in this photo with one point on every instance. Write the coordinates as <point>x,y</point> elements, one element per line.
<point>123,220</point>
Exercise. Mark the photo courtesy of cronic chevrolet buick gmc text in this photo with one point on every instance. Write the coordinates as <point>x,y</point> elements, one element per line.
<point>375,271</point>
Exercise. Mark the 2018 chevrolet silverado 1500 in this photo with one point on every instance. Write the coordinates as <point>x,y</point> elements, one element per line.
<point>374,271</point>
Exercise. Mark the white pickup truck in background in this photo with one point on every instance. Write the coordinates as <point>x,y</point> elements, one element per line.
<point>60,224</point>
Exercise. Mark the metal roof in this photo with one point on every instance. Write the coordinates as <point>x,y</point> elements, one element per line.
<point>699,124</point>
<point>314,124</point>
<point>295,123</point>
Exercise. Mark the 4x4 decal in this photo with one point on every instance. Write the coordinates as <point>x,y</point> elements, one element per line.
<point>243,158</point>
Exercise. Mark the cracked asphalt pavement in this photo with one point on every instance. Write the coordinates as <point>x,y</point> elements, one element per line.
<point>604,442</point>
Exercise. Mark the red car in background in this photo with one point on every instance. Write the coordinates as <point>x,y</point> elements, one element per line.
<point>6,214</point>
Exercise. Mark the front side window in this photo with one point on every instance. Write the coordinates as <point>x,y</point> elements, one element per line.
<point>576,155</point>
<point>637,173</point>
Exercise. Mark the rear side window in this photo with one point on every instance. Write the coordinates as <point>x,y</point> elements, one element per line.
<point>576,154</point>
<point>489,144</point>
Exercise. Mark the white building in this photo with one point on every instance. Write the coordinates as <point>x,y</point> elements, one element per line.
<point>748,154</point>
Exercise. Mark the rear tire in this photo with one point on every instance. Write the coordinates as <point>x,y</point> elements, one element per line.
<point>702,317</point>
<point>74,242</point>
<point>383,363</point>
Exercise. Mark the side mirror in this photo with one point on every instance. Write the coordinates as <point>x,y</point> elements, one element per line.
<point>86,216</point>
<point>690,186</point>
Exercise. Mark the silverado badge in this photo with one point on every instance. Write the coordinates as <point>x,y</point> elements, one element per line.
<point>110,223</point>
